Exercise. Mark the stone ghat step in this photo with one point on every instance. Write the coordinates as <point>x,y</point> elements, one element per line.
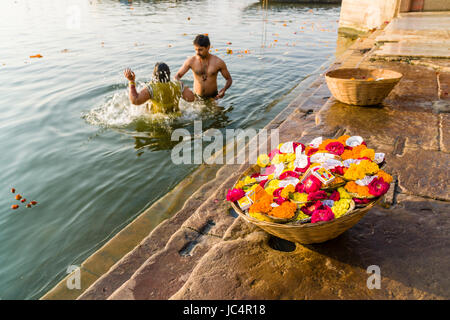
<point>181,240</point>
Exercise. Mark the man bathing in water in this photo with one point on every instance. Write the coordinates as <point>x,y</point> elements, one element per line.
<point>163,94</point>
<point>205,67</point>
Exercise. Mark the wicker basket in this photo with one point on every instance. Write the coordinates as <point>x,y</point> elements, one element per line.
<point>361,92</point>
<point>310,232</point>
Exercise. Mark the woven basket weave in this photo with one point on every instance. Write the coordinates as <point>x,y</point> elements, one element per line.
<point>306,233</point>
<point>361,92</point>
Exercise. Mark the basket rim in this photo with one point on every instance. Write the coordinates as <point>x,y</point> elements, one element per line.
<point>341,219</point>
<point>395,73</point>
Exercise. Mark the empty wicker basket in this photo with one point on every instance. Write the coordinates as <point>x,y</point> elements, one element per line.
<point>361,87</point>
<point>306,233</point>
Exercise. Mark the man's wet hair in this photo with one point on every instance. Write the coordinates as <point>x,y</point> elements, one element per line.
<point>161,73</point>
<point>202,41</point>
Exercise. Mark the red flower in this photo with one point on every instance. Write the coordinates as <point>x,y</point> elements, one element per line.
<point>279,200</point>
<point>318,195</point>
<point>263,183</point>
<point>338,170</point>
<point>378,187</point>
<point>311,151</point>
<point>298,144</point>
<point>277,192</point>
<point>335,148</point>
<point>299,188</point>
<point>311,208</point>
<point>312,184</point>
<point>255,175</point>
<point>235,194</point>
<point>286,174</point>
<point>361,201</point>
<point>323,214</point>
<point>335,196</point>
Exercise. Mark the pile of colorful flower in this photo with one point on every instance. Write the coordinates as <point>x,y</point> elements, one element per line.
<point>321,181</point>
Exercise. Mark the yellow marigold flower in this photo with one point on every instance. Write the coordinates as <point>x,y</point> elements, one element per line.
<point>270,190</point>
<point>273,183</point>
<point>290,166</point>
<point>263,160</point>
<point>369,167</point>
<point>369,153</point>
<point>386,177</point>
<point>289,157</point>
<point>270,176</point>
<point>300,197</point>
<point>240,185</point>
<point>278,158</point>
<point>340,207</point>
<point>301,216</point>
<point>343,194</point>
<point>249,180</point>
<point>279,146</point>
<point>288,189</point>
<point>259,216</point>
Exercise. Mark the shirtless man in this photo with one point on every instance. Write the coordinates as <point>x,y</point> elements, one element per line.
<point>205,67</point>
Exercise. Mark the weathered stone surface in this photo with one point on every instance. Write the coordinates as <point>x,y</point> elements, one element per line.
<point>422,172</point>
<point>444,85</point>
<point>444,127</point>
<point>409,243</point>
<point>385,124</point>
<point>165,272</point>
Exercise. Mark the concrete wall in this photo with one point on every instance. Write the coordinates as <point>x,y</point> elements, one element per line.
<point>363,15</point>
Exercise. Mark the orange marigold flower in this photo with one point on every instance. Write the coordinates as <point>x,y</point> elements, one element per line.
<point>262,205</point>
<point>343,138</point>
<point>285,210</point>
<point>353,187</point>
<point>386,176</point>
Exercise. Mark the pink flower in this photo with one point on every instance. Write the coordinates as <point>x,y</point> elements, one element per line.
<point>335,196</point>
<point>323,214</point>
<point>338,170</point>
<point>318,195</point>
<point>279,200</point>
<point>335,148</point>
<point>299,188</point>
<point>311,208</point>
<point>286,174</point>
<point>235,194</point>
<point>263,183</point>
<point>361,201</point>
<point>378,187</point>
<point>273,153</point>
<point>269,170</point>
<point>312,184</point>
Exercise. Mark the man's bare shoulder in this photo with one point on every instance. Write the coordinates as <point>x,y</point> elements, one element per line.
<point>217,61</point>
<point>190,60</point>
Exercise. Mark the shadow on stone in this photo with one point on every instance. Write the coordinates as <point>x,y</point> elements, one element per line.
<point>233,213</point>
<point>281,244</point>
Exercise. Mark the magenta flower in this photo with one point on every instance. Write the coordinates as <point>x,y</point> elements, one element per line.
<point>361,201</point>
<point>335,196</point>
<point>286,174</point>
<point>318,195</point>
<point>311,208</point>
<point>378,187</point>
<point>263,183</point>
<point>312,184</point>
<point>323,214</point>
<point>338,170</point>
<point>235,194</point>
<point>298,144</point>
<point>277,192</point>
<point>299,188</point>
<point>336,148</point>
<point>279,200</point>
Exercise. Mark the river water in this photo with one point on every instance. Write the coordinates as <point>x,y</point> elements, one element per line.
<point>70,139</point>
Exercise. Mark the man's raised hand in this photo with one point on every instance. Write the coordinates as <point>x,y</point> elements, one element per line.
<point>129,74</point>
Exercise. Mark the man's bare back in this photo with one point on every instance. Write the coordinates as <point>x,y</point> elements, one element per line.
<point>205,67</point>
